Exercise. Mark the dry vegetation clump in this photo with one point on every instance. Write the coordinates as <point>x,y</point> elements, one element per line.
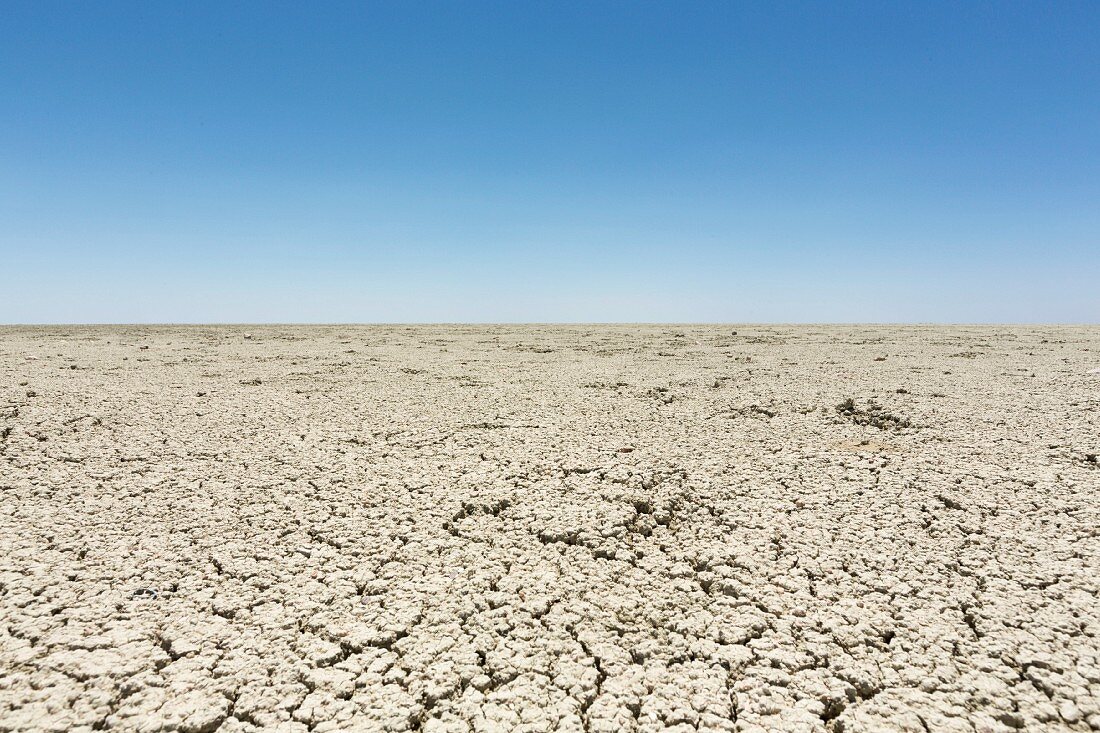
<point>873,414</point>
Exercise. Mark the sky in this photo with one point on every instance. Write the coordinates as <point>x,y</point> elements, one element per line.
<point>549,162</point>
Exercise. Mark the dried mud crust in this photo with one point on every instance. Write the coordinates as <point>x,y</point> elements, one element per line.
<point>537,529</point>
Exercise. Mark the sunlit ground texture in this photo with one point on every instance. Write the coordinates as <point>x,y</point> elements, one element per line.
<point>606,528</point>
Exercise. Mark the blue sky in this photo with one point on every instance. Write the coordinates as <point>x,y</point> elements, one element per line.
<point>558,161</point>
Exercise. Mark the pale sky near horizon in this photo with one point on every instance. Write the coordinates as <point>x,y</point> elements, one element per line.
<point>558,161</point>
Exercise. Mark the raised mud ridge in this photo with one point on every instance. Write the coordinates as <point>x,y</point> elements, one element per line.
<point>549,529</point>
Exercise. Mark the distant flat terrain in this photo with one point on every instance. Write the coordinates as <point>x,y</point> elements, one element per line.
<point>496,528</point>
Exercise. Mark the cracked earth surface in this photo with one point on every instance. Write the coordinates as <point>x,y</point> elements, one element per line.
<point>549,528</point>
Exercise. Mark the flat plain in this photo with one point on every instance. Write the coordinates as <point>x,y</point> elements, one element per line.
<point>539,528</point>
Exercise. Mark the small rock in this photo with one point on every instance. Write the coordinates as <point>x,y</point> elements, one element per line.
<point>248,337</point>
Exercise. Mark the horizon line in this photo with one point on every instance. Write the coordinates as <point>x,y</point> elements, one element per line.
<point>745,324</point>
